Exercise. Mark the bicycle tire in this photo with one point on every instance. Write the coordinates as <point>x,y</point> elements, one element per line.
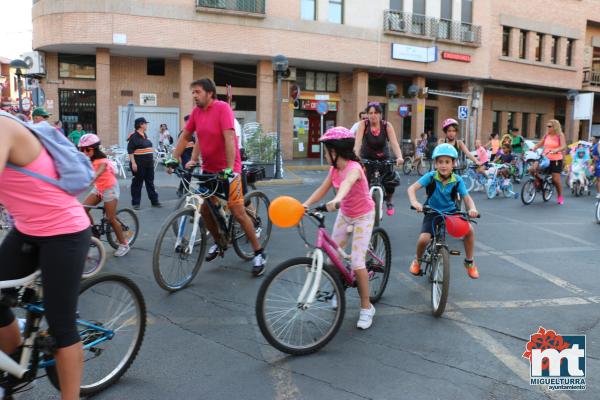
<point>547,190</point>
<point>598,212</point>
<point>245,250</point>
<point>376,267</point>
<point>407,167</point>
<point>440,297</point>
<point>528,192</point>
<point>100,350</point>
<point>576,189</point>
<point>423,166</point>
<point>95,260</point>
<point>469,182</point>
<point>159,267</point>
<point>329,275</point>
<point>491,189</point>
<point>508,190</point>
<point>130,234</point>
<point>378,206</point>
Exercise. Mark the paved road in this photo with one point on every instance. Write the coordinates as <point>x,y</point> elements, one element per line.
<point>538,267</point>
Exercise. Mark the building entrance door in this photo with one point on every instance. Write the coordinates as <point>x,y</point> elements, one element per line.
<point>314,133</point>
<point>77,106</point>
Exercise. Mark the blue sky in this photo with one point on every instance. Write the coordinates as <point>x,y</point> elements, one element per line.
<point>15,29</point>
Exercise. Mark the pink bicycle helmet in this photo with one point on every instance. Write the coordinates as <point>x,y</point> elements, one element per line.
<point>89,140</point>
<point>447,122</point>
<point>337,133</point>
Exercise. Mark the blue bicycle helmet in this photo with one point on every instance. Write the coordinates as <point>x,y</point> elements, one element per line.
<point>445,149</point>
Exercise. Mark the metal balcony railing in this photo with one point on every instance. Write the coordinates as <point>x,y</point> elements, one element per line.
<point>431,28</point>
<point>591,77</point>
<point>242,6</point>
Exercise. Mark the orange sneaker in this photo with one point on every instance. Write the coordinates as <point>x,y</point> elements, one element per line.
<point>472,270</point>
<point>415,268</point>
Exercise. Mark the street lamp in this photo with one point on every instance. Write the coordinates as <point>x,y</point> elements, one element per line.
<point>280,65</point>
<point>18,64</point>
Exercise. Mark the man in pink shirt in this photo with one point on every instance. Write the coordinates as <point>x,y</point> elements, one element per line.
<point>216,142</point>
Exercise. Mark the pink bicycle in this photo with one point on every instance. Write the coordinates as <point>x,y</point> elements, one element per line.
<point>301,304</point>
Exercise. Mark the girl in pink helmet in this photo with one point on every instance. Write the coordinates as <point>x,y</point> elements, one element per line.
<point>450,128</point>
<point>106,188</point>
<point>357,210</point>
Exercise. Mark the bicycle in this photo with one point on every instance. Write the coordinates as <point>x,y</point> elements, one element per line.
<point>421,166</point>
<point>598,211</point>
<point>308,295</point>
<point>474,181</point>
<point>497,184</point>
<point>533,185</point>
<point>436,260</point>
<point>118,157</point>
<point>376,189</point>
<point>127,219</point>
<point>182,239</point>
<point>111,319</point>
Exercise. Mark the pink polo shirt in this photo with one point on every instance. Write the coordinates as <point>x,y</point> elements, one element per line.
<point>358,201</point>
<point>209,125</point>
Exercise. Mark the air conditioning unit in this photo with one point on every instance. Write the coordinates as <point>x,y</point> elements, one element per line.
<point>398,25</point>
<point>36,62</point>
<point>469,36</point>
<point>290,74</point>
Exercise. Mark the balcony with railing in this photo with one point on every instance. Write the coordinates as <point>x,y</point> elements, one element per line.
<point>252,8</point>
<point>416,25</point>
<point>591,76</point>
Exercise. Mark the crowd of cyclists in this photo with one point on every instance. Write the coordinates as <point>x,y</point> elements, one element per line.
<point>52,228</point>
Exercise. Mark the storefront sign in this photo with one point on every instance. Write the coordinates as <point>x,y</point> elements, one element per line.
<point>311,105</point>
<point>321,97</point>
<point>148,99</point>
<point>448,55</point>
<point>414,53</point>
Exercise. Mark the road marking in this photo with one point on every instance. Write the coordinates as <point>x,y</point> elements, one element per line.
<point>565,301</point>
<point>512,362</point>
<point>534,270</point>
<point>551,250</point>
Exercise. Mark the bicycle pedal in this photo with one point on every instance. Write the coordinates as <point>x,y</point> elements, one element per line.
<point>455,252</point>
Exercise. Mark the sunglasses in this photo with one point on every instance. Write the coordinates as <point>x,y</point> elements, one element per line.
<point>549,126</point>
<point>85,149</point>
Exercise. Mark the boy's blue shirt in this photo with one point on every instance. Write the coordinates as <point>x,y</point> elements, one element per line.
<point>441,198</point>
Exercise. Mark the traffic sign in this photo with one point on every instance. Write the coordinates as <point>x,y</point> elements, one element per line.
<point>26,104</point>
<point>322,107</point>
<point>463,112</point>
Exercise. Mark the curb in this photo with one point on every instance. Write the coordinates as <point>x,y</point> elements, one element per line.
<point>295,180</point>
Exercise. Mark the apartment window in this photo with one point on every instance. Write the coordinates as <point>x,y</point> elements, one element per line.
<point>505,41</point>
<point>155,66</point>
<point>539,46</point>
<point>80,66</point>
<point>569,52</point>
<point>317,80</point>
<point>419,7</point>
<point>523,44</point>
<point>237,75</point>
<point>396,5</point>
<point>525,125</point>
<point>554,53</point>
<point>495,119</point>
<point>467,11</point>
<point>377,87</point>
<point>538,126</point>
<point>336,11</point>
<point>308,9</point>
<point>446,12</point>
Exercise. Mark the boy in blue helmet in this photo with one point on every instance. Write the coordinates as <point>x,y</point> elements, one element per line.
<point>442,188</point>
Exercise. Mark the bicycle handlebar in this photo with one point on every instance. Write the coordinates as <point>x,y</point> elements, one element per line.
<point>430,210</point>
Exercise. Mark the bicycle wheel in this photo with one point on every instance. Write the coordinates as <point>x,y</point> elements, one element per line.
<point>378,206</point>
<point>469,182</point>
<point>528,192</point>
<point>547,190</point>
<point>95,260</point>
<point>576,188</point>
<point>115,303</point>
<point>257,209</point>
<point>440,273</point>
<point>598,212</point>
<point>508,190</point>
<point>285,324</point>
<point>407,167</point>
<point>379,263</point>
<point>491,189</point>
<point>423,166</point>
<point>174,265</point>
<point>129,224</point>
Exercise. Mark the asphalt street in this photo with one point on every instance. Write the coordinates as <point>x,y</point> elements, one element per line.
<point>538,265</point>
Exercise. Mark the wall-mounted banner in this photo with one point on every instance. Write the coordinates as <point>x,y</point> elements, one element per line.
<point>414,53</point>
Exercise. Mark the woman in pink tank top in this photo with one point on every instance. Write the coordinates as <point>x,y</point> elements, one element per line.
<point>52,233</point>
<point>554,144</point>
<point>357,210</point>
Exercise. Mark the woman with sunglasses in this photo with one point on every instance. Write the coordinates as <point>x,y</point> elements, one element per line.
<point>554,143</point>
<point>374,137</point>
<point>106,188</point>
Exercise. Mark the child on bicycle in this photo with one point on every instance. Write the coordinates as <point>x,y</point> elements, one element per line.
<point>357,209</point>
<point>444,183</point>
<point>106,188</point>
<point>505,156</point>
<point>482,156</point>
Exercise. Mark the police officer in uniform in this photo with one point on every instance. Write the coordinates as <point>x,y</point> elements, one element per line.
<point>141,159</point>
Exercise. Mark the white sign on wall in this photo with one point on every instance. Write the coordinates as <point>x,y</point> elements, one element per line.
<point>148,99</point>
<point>414,53</point>
<point>584,106</point>
<point>119,38</point>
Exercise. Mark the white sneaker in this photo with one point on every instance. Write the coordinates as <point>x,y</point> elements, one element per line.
<point>122,250</point>
<point>598,196</point>
<point>365,320</point>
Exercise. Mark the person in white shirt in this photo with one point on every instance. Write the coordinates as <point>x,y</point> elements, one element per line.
<point>361,116</point>
<point>165,137</point>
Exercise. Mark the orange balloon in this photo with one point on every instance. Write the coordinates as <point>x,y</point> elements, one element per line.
<point>286,211</point>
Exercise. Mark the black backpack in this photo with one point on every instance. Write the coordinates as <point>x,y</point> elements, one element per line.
<point>429,189</point>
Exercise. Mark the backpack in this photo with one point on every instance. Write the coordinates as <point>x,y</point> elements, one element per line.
<point>74,169</point>
<point>429,189</point>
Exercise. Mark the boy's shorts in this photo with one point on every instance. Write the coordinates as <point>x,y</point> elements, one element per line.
<point>431,222</point>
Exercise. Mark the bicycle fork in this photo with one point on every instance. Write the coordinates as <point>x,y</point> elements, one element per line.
<point>182,222</point>
<point>313,281</point>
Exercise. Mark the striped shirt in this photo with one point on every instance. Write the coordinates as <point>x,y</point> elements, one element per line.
<point>141,147</point>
